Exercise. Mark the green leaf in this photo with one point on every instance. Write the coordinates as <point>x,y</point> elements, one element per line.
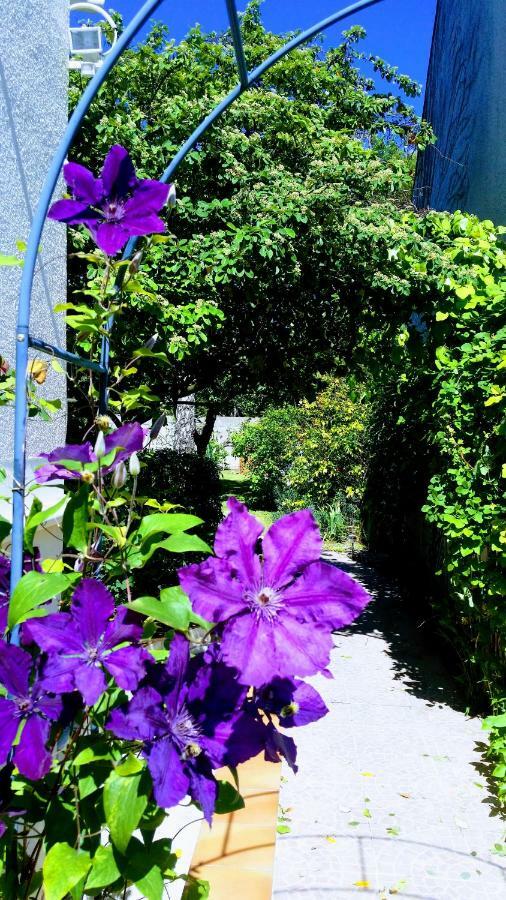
<point>196,889</point>
<point>172,609</point>
<point>6,528</point>
<point>125,799</point>
<point>34,589</point>
<point>228,799</point>
<point>75,520</point>
<point>495,721</point>
<point>166,523</point>
<point>6,260</point>
<point>63,868</point>
<point>38,514</point>
<point>104,870</point>
<point>185,543</point>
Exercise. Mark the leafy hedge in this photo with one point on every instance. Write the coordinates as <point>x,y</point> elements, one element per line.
<point>436,483</point>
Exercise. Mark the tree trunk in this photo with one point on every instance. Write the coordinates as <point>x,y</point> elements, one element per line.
<point>203,437</point>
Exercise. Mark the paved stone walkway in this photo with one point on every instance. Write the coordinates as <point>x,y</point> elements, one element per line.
<point>388,800</point>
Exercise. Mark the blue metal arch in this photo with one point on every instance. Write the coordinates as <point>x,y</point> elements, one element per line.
<point>23,338</point>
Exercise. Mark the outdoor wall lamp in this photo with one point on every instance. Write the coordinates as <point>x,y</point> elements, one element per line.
<point>86,51</point>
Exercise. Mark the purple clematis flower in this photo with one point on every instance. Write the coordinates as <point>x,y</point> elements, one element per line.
<point>292,700</point>
<point>117,205</point>
<point>277,617</point>
<point>190,722</point>
<point>84,642</point>
<point>29,705</point>
<point>31,563</point>
<point>71,461</point>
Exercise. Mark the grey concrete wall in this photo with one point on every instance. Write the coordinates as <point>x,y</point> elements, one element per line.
<point>33,115</point>
<point>466,104</point>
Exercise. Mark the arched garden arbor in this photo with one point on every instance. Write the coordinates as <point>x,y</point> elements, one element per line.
<point>24,339</point>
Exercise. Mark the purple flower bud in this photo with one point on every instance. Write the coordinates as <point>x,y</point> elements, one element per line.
<point>100,445</point>
<point>119,476</point>
<point>135,262</point>
<point>150,343</point>
<point>171,199</point>
<point>134,465</point>
<point>157,427</point>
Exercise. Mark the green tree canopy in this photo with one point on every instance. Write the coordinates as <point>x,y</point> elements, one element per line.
<point>260,286</point>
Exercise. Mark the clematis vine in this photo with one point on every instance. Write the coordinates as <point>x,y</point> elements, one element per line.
<point>117,205</point>
<point>276,615</point>
<point>84,642</point>
<point>29,706</point>
<point>79,461</point>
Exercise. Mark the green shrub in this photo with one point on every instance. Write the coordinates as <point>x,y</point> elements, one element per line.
<point>217,453</point>
<point>310,454</point>
<point>267,448</point>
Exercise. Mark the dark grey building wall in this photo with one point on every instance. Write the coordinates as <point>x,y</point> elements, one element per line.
<point>466,104</point>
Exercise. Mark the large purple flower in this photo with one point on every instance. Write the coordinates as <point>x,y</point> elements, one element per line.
<point>82,643</point>
<point>189,719</point>
<point>277,617</point>
<point>29,705</point>
<point>114,207</point>
<point>75,460</point>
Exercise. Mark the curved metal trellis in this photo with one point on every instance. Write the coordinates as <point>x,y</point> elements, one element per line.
<point>24,340</point>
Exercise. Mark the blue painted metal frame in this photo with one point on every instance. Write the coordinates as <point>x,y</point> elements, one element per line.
<point>23,338</point>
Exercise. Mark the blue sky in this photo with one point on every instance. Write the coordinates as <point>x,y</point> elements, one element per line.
<point>398,30</point>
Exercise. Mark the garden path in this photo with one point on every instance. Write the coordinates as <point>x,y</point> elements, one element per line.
<point>390,799</point>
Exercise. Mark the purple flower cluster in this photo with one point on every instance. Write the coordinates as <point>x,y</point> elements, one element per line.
<point>274,605</point>
<point>117,205</point>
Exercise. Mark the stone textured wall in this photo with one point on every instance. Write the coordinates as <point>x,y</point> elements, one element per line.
<point>33,116</point>
<point>466,103</point>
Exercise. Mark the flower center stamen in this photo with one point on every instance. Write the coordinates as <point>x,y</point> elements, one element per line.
<point>265,602</point>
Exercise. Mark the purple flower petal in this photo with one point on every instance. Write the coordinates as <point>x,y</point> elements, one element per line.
<point>149,196</point>
<point>121,629</point>
<point>58,674</point>
<point>170,781</point>
<point>280,746</point>
<point>9,723</point>
<point>127,439</point>
<point>72,212</point>
<point>236,540</point>
<point>290,544</point>
<point>92,606</point>
<point>54,632</point>
<point>15,669</point>
<point>138,224</point>
<point>142,720</point>
<point>214,592</point>
<point>127,666</point>
<point>264,648</point>
<point>90,682</point>
<point>118,173</point>
<point>111,237</point>
<point>31,756</point>
<point>83,183</point>
<point>203,789</point>
<point>327,596</point>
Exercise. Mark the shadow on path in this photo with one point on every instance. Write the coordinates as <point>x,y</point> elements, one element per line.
<point>416,656</point>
